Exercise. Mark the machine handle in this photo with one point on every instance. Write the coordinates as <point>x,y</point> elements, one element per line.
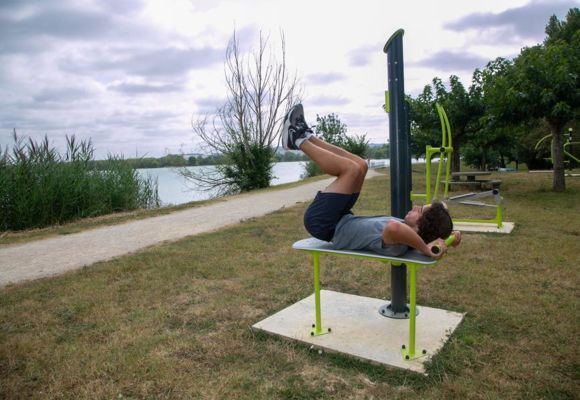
<point>449,241</point>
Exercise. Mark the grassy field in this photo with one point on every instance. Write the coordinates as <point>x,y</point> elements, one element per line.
<point>174,321</point>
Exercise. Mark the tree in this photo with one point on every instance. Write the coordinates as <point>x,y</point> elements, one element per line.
<point>259,92</point>
<point>331,128</point>
<point>489,142</point>
<point>544,83</point>
<point>333,131</point>
<point>461,106</point>
<point>425,127</point>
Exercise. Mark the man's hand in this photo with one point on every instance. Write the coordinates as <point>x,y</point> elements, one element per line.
<point>440,243</point>
<point>457,240</point>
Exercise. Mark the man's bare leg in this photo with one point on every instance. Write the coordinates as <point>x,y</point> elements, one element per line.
<point>338,151</point>
<point>349,172</point>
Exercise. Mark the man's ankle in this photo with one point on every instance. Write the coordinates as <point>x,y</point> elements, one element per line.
<point>301,141</point>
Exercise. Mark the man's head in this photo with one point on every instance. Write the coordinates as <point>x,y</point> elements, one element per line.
<point>431,221</point>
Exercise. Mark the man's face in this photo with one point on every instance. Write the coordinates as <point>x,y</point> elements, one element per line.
<point>414,215</point>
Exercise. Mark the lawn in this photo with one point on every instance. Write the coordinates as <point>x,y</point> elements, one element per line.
<point>174,321</point>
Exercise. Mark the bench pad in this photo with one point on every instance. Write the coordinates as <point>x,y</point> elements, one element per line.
<point>411,256</point>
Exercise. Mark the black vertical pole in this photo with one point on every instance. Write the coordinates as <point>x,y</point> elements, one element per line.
<point>400,164</point>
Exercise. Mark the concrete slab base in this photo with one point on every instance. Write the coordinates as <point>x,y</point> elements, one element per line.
<point>360,331</point>
<point>507,227</point>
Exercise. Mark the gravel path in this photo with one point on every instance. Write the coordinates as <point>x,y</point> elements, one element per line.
<point>54,256</point>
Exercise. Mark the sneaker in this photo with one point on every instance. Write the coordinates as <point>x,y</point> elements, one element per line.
<point>295,130</point>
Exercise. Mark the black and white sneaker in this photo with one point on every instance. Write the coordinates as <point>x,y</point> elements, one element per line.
<point>295,130</point>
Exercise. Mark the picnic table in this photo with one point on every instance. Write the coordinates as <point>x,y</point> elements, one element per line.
<point>470,175</point>
<point>470,180</point>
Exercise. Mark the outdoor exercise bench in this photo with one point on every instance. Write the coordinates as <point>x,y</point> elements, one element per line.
<point>412,259</point>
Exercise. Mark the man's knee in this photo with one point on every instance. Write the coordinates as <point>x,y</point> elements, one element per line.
<point>361,168</point>
<point>364,167</point>
<point>356,170</point>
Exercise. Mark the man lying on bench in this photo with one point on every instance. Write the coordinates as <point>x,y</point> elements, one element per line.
<point>330,218</point>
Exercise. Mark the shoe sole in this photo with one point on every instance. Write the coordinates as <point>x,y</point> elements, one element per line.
<point>286,127</point>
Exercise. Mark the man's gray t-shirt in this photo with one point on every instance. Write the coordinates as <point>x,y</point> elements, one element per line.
<point>365,233</point>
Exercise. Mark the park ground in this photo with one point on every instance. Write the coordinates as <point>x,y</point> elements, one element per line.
<point>173,321</point>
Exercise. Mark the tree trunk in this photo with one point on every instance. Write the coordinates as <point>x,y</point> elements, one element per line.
<point>559,180</point>
<point>455,159</point>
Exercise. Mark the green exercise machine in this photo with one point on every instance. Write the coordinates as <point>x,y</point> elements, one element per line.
<point>400,172</point>
<point>359,328</point>
<point>567,146</point>
<point>444,153</point>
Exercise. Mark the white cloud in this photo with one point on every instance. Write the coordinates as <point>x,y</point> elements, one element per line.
<point>132,74</point>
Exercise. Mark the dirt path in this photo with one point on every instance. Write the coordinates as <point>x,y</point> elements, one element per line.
<point>54,256</point>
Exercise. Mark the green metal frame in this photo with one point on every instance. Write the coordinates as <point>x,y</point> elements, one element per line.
<point>408,351</point>
<point>498,220</point>
<point>568,143</point>
<point>445,152</point>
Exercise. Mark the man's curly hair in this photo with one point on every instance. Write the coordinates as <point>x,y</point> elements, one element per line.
<point>435,223</point>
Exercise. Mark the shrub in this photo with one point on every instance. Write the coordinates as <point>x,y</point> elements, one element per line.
<point>250,167</point>
<point>40,187</point>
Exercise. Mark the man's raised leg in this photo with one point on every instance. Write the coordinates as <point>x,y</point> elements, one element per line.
<point>339,151</point>
<point>350,170</point>
<point>349,173</point>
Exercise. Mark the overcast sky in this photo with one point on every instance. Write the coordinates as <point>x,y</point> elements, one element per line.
<point>133,74</point>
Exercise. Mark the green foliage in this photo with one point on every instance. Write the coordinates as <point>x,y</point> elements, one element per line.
<point>40,187</point>
<point>491,142</point>
<point>250,167</point>
<point>425,127</point>
<point>378,152</point>
<point>482,158</point>
<point>509,105</point>
<point>463,108</point>
<point>357,144</point>
<point>563,30</point>
<point>311,169</point>
<point>331,129</point>
<point>542,83</point>
<point>174,160</point>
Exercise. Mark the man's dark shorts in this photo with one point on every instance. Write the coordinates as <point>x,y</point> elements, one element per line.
<point>322,216</point>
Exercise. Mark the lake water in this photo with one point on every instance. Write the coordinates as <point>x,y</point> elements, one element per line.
<point>175,189</point>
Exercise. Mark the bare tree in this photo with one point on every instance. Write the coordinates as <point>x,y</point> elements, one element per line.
<point>245,129</point>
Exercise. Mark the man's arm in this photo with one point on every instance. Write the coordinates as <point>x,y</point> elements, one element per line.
<point>396,232</point>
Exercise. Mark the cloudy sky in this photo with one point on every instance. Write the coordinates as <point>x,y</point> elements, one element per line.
<point>132,74</point>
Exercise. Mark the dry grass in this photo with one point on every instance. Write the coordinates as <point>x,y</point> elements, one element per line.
<point>174,321</point>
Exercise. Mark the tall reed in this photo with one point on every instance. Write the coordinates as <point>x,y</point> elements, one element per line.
<point>41,187</point>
